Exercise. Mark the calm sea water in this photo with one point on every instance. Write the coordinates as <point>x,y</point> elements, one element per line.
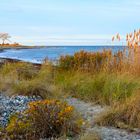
<point>37,55</point>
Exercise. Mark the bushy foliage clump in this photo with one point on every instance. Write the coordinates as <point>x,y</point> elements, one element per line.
<point>92,61</point>
<point>45,119</point>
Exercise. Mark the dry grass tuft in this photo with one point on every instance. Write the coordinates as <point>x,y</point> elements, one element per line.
<point>90,136</point>
<point>123,115</point>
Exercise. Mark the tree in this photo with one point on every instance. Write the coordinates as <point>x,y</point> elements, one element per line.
<point>4,37</point>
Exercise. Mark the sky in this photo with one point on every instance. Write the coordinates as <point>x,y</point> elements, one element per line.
<point>68,22</point>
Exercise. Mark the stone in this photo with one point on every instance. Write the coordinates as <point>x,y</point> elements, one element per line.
<point>11,105</point>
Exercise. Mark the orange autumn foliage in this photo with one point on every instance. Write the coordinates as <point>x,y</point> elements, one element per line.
<point>45,119</point>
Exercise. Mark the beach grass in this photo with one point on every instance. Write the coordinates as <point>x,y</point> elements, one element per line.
<point>124,115</point>
<point>105,78</point>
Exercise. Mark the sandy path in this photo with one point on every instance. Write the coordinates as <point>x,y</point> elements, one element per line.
<point>90,111</point>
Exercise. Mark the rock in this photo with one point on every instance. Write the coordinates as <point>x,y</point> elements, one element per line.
<point>12,105</point>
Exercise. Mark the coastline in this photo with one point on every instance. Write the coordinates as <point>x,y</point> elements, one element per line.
<point>20,47</point>
<point>27,47</point>
<point>10,60</point>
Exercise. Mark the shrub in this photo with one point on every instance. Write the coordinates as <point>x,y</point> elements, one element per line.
<point>83,60</point>
<point>123,115</point>
<point>45,119</point>
<point>92,61</point>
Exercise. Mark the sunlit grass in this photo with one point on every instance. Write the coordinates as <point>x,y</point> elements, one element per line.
<point>104,78</point>
<point>123,115</point>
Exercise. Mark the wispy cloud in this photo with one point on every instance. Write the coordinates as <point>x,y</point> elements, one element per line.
<point>68,40</point>
<point>63,21</point>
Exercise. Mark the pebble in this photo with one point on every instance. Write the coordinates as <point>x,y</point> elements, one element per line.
<point>12,105</point>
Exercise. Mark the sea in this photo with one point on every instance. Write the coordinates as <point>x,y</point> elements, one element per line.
<point>52,53</point>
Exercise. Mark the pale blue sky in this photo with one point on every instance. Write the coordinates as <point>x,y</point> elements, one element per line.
<point>66,22</point>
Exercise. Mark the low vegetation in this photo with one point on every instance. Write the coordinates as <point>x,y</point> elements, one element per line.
<point>123,115</point>
<point>45,119</point>
<point>104,78</point>
<point>102,88</point>
<point>90,136</point>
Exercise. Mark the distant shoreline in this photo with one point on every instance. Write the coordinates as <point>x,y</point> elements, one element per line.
<point>20,47</point>
<point>10,60</point>
<point>2,48</point>
<point>42,46</point>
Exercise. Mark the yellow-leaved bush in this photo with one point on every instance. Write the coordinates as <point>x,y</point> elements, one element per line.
<point>45,119</point>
